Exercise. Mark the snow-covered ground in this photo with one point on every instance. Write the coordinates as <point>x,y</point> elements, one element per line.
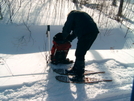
<point>25,75</point>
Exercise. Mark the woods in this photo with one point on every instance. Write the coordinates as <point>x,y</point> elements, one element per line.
<point>33,11</point>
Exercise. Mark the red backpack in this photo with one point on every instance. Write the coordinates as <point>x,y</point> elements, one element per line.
<point>60,50</point>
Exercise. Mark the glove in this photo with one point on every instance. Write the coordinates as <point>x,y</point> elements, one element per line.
<point>71,37</point>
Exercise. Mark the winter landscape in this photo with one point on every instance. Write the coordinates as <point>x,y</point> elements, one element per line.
<point>26,75</point>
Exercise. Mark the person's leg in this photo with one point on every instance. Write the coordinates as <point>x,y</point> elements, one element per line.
<point>83,46</point>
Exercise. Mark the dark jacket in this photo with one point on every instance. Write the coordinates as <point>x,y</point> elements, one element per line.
<point>80,23</point>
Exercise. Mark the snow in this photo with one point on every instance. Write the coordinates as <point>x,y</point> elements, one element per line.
<point>26,76</point>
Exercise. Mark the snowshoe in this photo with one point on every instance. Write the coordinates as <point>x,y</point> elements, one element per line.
<point>77,78</point>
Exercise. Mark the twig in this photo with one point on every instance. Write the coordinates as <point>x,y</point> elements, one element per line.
<point>30,33</point>
<point>8,67</point>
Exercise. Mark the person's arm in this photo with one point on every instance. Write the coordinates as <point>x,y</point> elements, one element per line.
<point>71,37</point>
<point>68,26</point>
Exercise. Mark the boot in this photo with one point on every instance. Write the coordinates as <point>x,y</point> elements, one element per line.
<point>78,69</point>
<point>71,72</point>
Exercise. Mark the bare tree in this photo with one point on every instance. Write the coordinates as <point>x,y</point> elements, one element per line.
<point>120,8</point>
<point>75,1</point>
<point>1,16</point>
<point>114,3</point>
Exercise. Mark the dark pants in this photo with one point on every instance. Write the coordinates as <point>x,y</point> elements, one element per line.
<point>83,45</point>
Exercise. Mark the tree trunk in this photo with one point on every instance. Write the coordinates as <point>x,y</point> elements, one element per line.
<point>75,1</point>
<point>120,8</point>
<point>114,3</point>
